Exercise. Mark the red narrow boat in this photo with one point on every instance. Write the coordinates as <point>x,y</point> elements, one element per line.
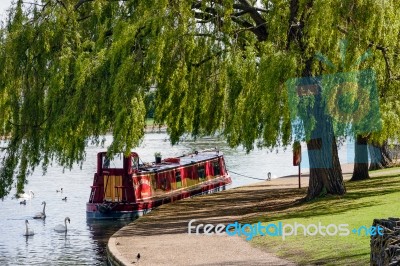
<point>123,188</point>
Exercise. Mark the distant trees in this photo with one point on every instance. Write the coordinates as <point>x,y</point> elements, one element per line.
<point>149,100</point>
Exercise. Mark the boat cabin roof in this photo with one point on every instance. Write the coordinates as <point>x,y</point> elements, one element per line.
<point>175,162</point>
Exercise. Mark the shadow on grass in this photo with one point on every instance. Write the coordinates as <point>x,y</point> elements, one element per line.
<point>352,200</point>
<point>328,260</point>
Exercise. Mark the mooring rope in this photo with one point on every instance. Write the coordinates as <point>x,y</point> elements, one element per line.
<point>268,179</point>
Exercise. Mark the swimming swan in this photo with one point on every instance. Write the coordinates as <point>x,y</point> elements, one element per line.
<point>41,215</point>
<point>28,232</point>
<point>61,228</point>
<point>28,195</point>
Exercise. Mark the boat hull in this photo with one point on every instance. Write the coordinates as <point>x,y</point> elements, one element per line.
<point>120,210</point>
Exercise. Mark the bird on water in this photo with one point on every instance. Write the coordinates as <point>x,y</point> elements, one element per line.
<point>28,195</point>
<point>41,215</point>
<point>62,228</point>
<point>28,232</point>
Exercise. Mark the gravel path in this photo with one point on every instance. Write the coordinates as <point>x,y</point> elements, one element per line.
<point>161,237</point>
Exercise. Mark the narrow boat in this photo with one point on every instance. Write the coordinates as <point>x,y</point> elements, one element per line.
<point>125,188</point>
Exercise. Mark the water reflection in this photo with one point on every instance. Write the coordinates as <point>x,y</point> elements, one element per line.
<point>101,231</point>
<point>27,238</point>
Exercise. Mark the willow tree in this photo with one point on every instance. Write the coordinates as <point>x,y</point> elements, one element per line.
<point>385,42</point>
<point>76,70</point>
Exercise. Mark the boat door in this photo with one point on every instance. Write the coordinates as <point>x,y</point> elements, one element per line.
<point>111,187</point>
<point>112,169</point>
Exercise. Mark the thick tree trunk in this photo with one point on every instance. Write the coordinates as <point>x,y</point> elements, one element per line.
<point>380,156</point>
<point>326,179</point>
<point>360,171</point>
<point>325,170</point>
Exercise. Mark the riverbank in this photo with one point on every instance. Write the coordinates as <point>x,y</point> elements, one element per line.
<point>161,237</point>
<point>151,127</point>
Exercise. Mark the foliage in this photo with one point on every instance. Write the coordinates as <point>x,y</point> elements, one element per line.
<point>71,71</point>
<point>149,104</point>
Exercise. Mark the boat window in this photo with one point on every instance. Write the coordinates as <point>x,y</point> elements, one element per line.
<point>217,170</point>
<point>178,179</point>
<point>135,163</point>
<point>201,172</point>
<point>106,162</point>
<point>115,162</point>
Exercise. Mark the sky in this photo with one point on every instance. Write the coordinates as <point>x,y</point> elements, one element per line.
<point>4,5</point>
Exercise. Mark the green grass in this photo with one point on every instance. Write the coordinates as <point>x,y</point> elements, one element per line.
<point>364,201</point>
<point>149,122</point>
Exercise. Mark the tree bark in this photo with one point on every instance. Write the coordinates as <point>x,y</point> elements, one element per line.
<point>360,171</point>
<point>380,156</point>
<point>326,179</point>
<point>325,170</point>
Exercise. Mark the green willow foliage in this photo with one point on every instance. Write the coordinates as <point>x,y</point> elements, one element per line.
<point>72,71</point>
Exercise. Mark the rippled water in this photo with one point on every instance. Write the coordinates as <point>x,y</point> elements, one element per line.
<point>85,243</point>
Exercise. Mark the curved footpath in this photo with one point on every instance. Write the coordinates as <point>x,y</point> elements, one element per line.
<point>161,237</point>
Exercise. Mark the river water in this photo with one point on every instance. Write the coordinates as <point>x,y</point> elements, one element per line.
<point>85,243</point>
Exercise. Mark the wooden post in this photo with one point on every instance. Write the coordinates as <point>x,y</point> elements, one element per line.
<point>297,157</point>
<point>299,177</point>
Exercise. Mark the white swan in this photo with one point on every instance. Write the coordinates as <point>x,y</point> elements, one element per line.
<point>41,215</point>
<point>28,195</point>
<point>62,228</point>
<point>28,232</point>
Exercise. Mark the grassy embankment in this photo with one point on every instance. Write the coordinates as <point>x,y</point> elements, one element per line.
<point>149,122</point>
<point>364,201</point>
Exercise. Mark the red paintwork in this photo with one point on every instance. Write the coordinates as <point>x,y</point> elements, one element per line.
<point>147,186</point>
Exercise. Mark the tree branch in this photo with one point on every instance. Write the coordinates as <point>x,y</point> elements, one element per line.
<point>207,58</point>
<point>259,29</point>
<point>81,2</point>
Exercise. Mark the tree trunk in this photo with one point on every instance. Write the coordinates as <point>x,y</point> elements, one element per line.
<point>325,170</point>
<point>360,171</point>
<point>380,156</point>
<point>326,179</point>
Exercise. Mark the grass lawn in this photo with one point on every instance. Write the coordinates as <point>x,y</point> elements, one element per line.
<point>149,122</point>
<point>378,197</point>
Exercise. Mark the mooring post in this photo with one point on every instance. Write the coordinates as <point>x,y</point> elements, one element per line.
<point>299,177</point>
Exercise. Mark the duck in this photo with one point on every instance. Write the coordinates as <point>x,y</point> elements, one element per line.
<point>28,195</point>
<point>61,190</point>
<point>64,199</point>
<point>62,228</point>
<point>41,215</point>
<point>23,202</point>
<point>28,232</point>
